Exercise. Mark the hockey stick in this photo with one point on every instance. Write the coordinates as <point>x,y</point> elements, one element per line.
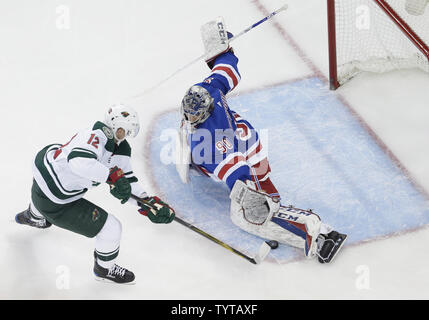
<point>260,256</point>
<point>283,8</point>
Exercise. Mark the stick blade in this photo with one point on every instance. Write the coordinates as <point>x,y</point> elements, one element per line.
<point>284,7</point>
<point>264,250</point>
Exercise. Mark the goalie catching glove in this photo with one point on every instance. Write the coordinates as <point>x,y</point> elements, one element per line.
<point>210,61</point>
<point>215,40</point>
<point>119,185</point>
<point>156,210</point>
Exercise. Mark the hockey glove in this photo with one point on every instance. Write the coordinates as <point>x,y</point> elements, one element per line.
<point>156,210</point>
<point>119,185</point>
<point>132,179</point>
<point>210,63</point>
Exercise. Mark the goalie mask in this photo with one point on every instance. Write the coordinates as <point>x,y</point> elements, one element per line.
<point>121,116</point>
<point>197,104</point>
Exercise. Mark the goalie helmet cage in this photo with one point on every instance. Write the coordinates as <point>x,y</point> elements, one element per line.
<point>376,36</point>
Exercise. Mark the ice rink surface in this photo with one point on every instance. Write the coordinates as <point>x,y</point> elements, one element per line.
<point>318,153</point>
<point>63,62</point>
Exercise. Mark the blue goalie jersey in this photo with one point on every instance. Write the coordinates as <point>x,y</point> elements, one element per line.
<point>226,147</point>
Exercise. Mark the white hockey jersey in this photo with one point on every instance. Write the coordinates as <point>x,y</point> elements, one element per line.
<point>65,172</point>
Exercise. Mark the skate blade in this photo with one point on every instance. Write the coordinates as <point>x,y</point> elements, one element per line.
<point>113,282</point>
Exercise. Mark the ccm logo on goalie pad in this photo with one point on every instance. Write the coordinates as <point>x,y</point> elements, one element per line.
<point>222,32</point>
<point>290,223</point>
<point>284,215</point>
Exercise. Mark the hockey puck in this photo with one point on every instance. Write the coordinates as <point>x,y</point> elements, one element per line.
<point>273,244</point>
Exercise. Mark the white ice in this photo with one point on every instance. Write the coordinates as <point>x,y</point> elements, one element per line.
<point>63,62</point>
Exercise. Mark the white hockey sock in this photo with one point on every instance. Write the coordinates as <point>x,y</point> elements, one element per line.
<point>35,213</point>
<point>107,242</point>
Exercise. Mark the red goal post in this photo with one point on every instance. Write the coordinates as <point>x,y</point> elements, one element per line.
<point>376,36</point>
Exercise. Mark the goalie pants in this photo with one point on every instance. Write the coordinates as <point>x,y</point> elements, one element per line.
<point>82,217</point>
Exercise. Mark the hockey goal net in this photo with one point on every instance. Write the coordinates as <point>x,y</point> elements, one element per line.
<point>376,36</point>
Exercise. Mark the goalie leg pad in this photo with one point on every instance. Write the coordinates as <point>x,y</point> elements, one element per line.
<point>302,226</point>
<point>262,215</point>
<point>255,207</point>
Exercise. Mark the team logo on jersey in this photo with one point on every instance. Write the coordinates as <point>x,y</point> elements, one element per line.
<point>108,132</point>
<point>208,80</point>
<point>95,215</point>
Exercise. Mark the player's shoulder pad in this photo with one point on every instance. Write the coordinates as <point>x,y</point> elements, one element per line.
<point>105,129</point>
<point>123,149</point>
<point>108,133</point>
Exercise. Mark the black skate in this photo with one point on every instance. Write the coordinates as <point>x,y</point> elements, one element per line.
<point>330,245</point>
<point>26,217</point>
<point>115,274</point>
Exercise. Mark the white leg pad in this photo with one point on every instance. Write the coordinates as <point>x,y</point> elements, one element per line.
<point>258,214</point>
<point>297,227</point>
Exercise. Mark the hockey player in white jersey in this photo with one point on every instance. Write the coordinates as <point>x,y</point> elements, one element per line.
<point>219,143</point>
<point>64,173</point>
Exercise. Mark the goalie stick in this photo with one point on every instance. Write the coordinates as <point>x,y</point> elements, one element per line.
<point>260,256</point>
<point>284,7</point>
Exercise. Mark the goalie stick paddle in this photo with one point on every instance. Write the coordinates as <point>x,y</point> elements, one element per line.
<point>283,8</point>
<point>260,256</point>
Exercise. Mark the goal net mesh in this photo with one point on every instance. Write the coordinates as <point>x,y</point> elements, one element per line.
<point>369,40</point>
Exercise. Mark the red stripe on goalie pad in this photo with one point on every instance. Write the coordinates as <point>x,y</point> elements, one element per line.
<point>308,238</point>
<point>268,187</point>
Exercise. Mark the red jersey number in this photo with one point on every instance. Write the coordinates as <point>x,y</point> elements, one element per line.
<point>94,141</point>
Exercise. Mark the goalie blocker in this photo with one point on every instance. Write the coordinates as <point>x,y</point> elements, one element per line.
<point>262,215</point>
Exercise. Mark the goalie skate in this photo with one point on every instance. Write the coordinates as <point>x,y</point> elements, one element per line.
<point>330,245</point>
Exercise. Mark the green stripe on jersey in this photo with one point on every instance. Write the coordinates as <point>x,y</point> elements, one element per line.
<point>59,192</point>
<point>81,153</point>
